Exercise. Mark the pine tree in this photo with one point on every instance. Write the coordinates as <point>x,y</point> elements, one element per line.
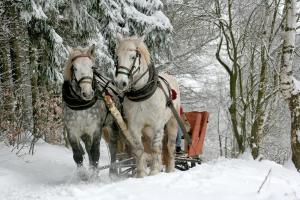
<point>36,50</point>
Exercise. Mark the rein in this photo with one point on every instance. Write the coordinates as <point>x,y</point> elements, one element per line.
<point>148,90</point>
<point>173,109</point>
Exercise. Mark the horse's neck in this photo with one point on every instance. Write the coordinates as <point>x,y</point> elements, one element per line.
<point>143,81</point>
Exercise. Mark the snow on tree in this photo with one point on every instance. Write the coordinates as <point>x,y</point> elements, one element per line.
<point>46,27</point>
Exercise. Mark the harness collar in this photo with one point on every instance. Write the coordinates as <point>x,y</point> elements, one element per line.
<point>73,100</point>
<point>148,90</point>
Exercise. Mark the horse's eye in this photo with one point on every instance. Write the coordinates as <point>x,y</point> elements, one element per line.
<point>132,57</point>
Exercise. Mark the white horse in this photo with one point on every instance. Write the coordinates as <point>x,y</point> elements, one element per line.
<point>145,104</point>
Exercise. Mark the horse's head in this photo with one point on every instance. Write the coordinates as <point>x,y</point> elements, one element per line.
<point>133,59</point>
<point>79,71</point>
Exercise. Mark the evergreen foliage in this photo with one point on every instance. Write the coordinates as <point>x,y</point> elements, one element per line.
<point>34,35</point>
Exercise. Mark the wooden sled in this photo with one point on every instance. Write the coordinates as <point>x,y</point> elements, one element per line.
<point>198,122</point>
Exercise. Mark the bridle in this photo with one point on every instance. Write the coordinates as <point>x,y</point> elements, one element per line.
<point>83,79</point>
<point>72,99</point>
<point>130,72</point>
<point>148,89</point>
<point>96,80</point>
<point>133,69</point>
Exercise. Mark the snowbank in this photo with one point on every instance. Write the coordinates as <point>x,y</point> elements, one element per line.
<point>50,174</point>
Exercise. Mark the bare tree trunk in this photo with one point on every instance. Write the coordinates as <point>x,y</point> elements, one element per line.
<point>7,84</point>
<point>28,106</point>
<point>288,84</point>
<point>34,82</point>
<point>219,133</point>
<point>257,127</point>
<point>21,72</point>
<point>15,47</point>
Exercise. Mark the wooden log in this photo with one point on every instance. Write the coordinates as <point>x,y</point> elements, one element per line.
<point>119,119</point>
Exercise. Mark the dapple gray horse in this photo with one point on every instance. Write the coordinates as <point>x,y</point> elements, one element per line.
<point>85,114</point>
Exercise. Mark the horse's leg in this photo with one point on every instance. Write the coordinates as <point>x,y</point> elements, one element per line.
<point>165,154</point>
<point>95,149</point>
<point>138,151</point>
<point>87,143</point>
<point>92,144</point>
<point>171,131</point>
<point>77,149</point>
<point>156,149</point>
<point>113,137</point>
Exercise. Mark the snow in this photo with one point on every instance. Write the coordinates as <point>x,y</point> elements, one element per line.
<point>26,16</point>
<point>189,82</point>
<point>158,19</point>
<point>296,86</point>
<point>51,174</point>
<point>38,12</point>
<point>56,38</point>
<point>146,4</point>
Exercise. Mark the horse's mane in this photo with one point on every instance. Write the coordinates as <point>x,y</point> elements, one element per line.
<point>68,65</point>
<point>141,47</point>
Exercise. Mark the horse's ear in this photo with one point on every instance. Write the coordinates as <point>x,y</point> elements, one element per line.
<point>92,50</point>
<point>119,37</point>
<point>70,49</point>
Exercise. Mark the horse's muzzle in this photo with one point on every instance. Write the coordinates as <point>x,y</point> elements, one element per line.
<point>87,95</point>
<point>122,84</point>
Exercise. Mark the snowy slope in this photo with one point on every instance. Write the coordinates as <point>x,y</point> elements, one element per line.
<point>51,174</point>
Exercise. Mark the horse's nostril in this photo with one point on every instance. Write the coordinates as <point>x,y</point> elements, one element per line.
<point>84,94</point>
<point>124,84</point>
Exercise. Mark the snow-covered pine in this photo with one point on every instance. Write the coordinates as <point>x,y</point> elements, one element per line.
<point>80,23</point>
<point>48,26</point>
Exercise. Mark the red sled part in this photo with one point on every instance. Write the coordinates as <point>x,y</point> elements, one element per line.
<point>198,122</point>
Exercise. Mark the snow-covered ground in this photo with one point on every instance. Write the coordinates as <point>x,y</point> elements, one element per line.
<point>51,174</point>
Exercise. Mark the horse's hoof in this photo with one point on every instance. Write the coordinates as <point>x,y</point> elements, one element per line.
<point>82,174</point>
<point>114,176</point>
<point>170,169</point>
<point>79,165</point>
<point>140,174</point>
<point>153,172</point>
